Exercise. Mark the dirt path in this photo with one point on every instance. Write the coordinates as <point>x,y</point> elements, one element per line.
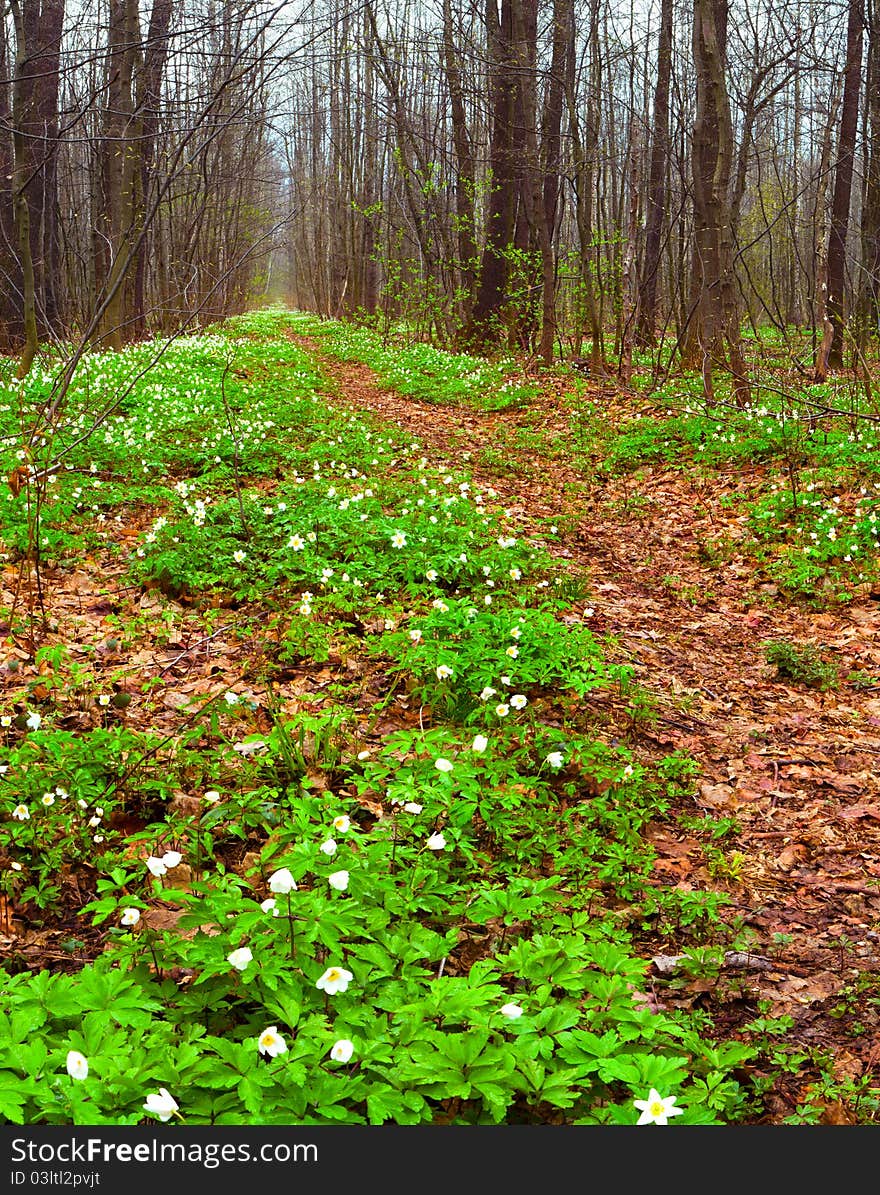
<point>796,768</point>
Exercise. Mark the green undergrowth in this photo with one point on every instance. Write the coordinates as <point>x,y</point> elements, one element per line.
<point>421,371</point>
<point>210,405</point>
<point>812,530</point>
<point>422,899</point>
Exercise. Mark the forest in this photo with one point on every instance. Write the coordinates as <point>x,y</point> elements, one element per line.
<point>439,563</point>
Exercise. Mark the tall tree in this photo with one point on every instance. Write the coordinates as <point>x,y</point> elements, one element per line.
<point>465,180</point>
<point>38,28</point>
<point>713,336</point>
<point>118,176</point>
<point>550,167</point>
<point>645,331</point>
<point>148,98</point>
<point>869,322</point>
<point>501,213</point>
<point>584,154</point>
<point>830,355</point>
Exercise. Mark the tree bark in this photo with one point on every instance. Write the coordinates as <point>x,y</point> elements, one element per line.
<point>501,214</point>
<point>831,353</point>
<point>465,179</point>
<point>645,332</point>
<point>147,103</point>
<point>713,332</point>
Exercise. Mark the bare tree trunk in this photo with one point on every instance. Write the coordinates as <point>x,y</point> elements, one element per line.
<point>10,273</point>
<point>465,181</point>
<point>118,171</point>
<point>147,101</point>
<point>715,309</point>
<point>551,154</point>
<point>584,152</point>
<point>645,332</point>
<point>870,291</point>
<point>25,34</point>
<point>501,213</point>
<point>629,280</point>
<point>831,351</point>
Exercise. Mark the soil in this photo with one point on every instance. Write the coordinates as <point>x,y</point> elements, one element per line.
<point>794,766</point>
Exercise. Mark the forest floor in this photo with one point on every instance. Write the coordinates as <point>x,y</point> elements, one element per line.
<point>783,820</point>
<point>795,768</point>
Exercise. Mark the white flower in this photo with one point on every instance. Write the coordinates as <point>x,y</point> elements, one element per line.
<point>334,979</point>
<point>155,866</point>
<point>162,1104</point>
<point>442,765</point>
<point>240,958</point>
<point>338,880</point>
<point>211,796</point>
<point>518,701</point>
<point>555,759</point>
<point>77,1065</point>
<point>502,710</point>
<point>512,651</point>
<point>436,842</point>
<point>171,858</point>
<point>487,693</point>
<point>444,672</point>
<point>505,680</point>
<point>231,698</point>
<point>21,813</point>
<point>398,540</point>
<point>511,1011</point>
<point>282,882</point>
<point>657,1110</point>
<point>480,743</point>
<point>130,917</point>
<point>296,542</point>
<point>431,574</point>
<point>271,1043</point>
<point>515,574</point>
<point>94,822</point>
<point>104,700</point>
<point>342,1050</point>
<point>413,807</point>
<point>270,905</point>
<point>328,847</point>
<point>415,636</point>
<point>239,556</point>
<point>515,632</point>
<point>342,823</point>
<point>33,721</point>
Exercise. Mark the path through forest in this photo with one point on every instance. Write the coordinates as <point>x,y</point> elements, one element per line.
<point>796,767</point>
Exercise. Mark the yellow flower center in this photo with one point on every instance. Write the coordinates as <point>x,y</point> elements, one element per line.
<point>657,1108</point>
